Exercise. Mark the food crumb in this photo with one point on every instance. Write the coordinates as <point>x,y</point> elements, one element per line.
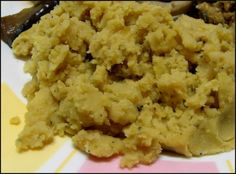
<point>15,120</point>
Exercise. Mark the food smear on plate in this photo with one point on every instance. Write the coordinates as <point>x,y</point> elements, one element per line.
<point>125,78</point>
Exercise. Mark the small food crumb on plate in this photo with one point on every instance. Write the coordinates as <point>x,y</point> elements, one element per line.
<point>15,120</point>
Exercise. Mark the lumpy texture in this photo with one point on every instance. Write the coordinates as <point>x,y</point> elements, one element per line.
<point>124,78</point>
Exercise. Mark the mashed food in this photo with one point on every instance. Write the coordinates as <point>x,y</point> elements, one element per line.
<point>123,78</point>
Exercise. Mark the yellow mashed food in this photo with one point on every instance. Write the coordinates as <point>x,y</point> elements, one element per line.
<point>124,78</point>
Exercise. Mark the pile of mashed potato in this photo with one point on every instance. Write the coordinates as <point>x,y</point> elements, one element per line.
<point>124,78</point>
